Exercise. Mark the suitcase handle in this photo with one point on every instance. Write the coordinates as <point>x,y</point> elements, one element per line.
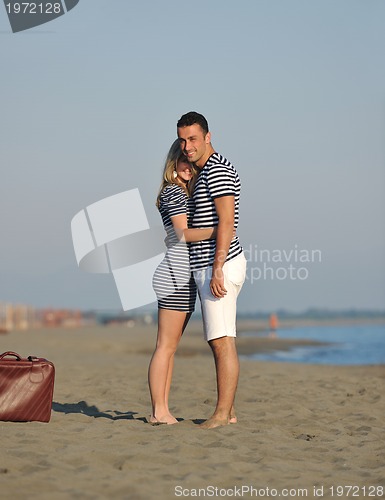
<point>10,353</point>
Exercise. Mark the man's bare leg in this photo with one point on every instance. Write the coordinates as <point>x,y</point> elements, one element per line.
<point>227,369</point>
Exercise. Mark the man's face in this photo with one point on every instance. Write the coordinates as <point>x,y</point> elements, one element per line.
<point>194,143</point>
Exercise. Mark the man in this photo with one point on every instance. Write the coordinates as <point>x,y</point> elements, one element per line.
<point>219,265</point>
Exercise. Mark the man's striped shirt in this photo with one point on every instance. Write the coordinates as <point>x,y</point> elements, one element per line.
<point>217,178</point>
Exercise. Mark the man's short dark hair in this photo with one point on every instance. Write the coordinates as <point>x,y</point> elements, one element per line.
<point>193,118</point>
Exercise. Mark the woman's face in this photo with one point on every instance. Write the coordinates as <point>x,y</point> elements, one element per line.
<point>183,169</point>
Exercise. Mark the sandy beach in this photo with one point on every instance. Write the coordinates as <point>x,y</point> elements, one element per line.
<point>300,426</point>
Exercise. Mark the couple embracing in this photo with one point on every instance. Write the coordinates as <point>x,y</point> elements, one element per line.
<point>199,205</point>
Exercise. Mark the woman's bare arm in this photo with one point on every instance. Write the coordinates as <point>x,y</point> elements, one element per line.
<point>179,223</point>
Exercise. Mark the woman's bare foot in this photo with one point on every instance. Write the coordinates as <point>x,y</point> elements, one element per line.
<point>165,419</point>
<point>153,421</point>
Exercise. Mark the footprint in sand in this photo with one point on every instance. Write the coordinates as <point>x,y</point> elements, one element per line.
<point>306,437</point>
<point>364,430</point>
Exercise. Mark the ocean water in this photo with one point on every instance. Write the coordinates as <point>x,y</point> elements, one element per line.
<point>347,345</point>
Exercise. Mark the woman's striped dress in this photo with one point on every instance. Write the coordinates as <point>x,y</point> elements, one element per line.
<point>173,282</point>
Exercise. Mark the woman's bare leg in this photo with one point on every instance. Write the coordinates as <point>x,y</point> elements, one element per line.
<point>169,379</point>
<point>171,325</point>
<point>171,364</point>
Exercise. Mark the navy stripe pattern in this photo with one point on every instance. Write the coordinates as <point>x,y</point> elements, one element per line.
<point>217,178</point>
<point>173,282</point>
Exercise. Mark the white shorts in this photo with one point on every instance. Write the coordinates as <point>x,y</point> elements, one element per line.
<point>219,315</point>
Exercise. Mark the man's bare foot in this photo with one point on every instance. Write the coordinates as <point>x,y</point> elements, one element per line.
<point>233,417</point>
<point>213,422</point>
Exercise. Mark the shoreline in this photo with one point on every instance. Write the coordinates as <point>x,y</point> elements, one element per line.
<point>243,323</point>
<point>192,342</point>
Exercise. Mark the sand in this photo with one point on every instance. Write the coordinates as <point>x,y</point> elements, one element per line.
<point>300,426</point>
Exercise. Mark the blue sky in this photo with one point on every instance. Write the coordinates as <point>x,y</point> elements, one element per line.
<point>294,93</point>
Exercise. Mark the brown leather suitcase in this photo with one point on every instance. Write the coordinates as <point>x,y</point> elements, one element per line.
<point>26,388</point>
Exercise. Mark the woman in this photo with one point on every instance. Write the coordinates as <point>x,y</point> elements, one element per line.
<point>173,281</point>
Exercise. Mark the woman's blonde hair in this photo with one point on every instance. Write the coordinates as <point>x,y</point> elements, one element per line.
<point>174,155</point>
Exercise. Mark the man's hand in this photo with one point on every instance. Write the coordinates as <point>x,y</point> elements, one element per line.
<point>217,284</point>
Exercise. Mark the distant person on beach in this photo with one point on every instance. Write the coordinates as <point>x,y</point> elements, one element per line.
<point>273,323</point>
<point>219,266</point>
<point>173,281</point>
